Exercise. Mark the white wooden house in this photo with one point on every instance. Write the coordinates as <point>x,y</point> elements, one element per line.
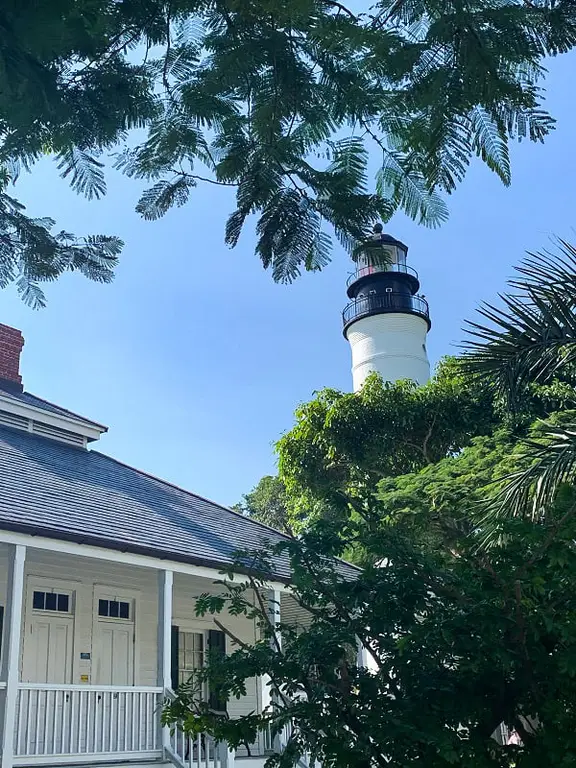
<point>100,565</point>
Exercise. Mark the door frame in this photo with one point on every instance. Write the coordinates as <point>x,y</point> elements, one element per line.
<point>35,581</point>
<point>98,590</point>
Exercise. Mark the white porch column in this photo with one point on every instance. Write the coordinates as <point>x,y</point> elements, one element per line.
<point>361,654</point>
<point>165,584</point>
<point>227,756</point>
<point>10,668</point>
<point>274,611</point>
<point>274,603</point>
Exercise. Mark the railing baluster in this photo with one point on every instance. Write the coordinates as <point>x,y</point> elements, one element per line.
<point>126,729</point>
<point>140,724</point>
<point>55,720</point>
<point>71,733</point>
<point>45,728</point>
<point>103,723</point>
<point>133,719</point>
<point>88,720</point>
<point>146,721</point>
<point>95,724</point>
<point>117,744</point>
<point>28,699</point>
<point>19,702</point>
<point>80,717</point>
<point>37,728</point>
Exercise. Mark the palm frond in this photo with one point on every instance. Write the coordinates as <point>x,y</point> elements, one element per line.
<point>540,271</point>
<point>532,492</point>
<point>533,334</point>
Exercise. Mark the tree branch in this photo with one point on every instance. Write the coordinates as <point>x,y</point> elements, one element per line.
<point>340,7</point>
<point>204,178</point>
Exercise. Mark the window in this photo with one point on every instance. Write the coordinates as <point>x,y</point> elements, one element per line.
<point>51,601</point>
<point>114,609</point>
<point>190,654</point>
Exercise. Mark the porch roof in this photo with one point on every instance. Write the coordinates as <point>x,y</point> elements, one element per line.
<point>51,489</point>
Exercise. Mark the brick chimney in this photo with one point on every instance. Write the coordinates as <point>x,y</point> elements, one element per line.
<point>11,343</point>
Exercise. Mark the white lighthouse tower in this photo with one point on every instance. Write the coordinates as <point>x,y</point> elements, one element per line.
<point>386,321</point>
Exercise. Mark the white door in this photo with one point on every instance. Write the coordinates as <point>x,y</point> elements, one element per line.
<point>113,665</point>
<point>48,636</point>
<point>47,658</point>
<point>114,640</point>
<point>48,650</point>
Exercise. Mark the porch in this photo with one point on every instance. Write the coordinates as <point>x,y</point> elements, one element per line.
<point>93,642</point>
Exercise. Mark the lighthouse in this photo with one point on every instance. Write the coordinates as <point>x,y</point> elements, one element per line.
<point>386,321</point>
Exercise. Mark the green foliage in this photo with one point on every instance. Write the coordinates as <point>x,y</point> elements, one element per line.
<point>267,502</point>
<point>531,338</point>
<point>457,644</point>
<point>30,254</point>
<point>528,350</point>
<point>344,443</point>
<point>459,639</point>
<point>443,498</point>
<point>281,103</point>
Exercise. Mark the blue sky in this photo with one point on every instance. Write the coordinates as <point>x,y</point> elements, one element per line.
<point>196,359</point>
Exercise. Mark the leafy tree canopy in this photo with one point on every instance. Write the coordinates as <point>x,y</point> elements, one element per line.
<point>456,643</point>
<point>463,610</point>
<point>281,102</point>
<point>344,443</point>
<point>267,503</point>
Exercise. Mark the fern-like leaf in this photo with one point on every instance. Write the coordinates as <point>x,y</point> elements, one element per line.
<point>85,172</point>
<point>156,201</point>
<point>407,189</point>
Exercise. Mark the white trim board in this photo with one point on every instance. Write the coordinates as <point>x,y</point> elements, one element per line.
<point>87,759</point>
<point>127,558</point>
<point>90,430</point>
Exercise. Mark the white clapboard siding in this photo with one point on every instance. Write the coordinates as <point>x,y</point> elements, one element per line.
<point>186,590</point>
<point>86,575</point>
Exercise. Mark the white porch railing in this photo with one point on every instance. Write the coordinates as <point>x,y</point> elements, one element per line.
<point>201,751</point>
<point>71,721</point>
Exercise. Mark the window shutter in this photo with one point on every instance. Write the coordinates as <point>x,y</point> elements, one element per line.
<point>216,645</point>
<point>174,669</point>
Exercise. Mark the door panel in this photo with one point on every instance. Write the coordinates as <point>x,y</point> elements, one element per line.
<point>48,650</point>
<point>115,654</point>
<point>113,664</point>
<point>47,656</point>
<point>114,638</point>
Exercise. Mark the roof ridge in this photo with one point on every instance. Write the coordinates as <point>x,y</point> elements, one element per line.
<point>66,410</point>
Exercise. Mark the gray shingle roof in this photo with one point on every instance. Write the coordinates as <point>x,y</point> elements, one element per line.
<point>51,489</point>
<point>28,398</point>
